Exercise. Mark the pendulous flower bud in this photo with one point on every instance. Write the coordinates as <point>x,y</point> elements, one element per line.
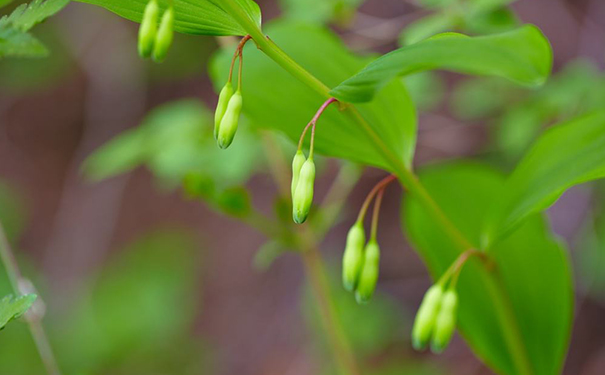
<point>228,127</point>
<point>303,194</point>
<point>352,260</point>
<point>148,29</point>
<point>164,37</point>
<point>297,163</point>
<point>369,273</point>
<point>221,107</point>
<point>446,322</point>
<point>426,317</point>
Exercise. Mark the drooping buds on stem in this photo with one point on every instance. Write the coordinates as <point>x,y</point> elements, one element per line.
<point>148,29</point>
<point>230,120</point>
<point>352,260</point>
<point>297,163</point>
<point>369,273</point>
<point>445,324</point>
<point>426,317</point>
<point>165,35</point>
<point>303,194</point>
<point>221,108</point>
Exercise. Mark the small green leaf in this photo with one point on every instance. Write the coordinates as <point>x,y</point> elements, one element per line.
<point>523,55</point>
<point>11,309</point>
<point>566,155</point>
<point>516,311</point>
<point>26,16</point>
<point>426,27</point>
<point>198,17</point>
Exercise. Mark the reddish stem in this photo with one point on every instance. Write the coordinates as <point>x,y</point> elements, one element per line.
<point>383,183</point>
<point>313,122</point>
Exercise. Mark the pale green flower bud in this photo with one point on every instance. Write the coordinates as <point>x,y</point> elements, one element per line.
<point>221,107</point>
<point>352,260</point>
<point>446,322</point>
<point>148,28</point>
<point>228,127</point>
<point>303,194</point>
<point>369,273</point>
<point>426,317</point>
<point>163,40</point>
<point>297,163</point>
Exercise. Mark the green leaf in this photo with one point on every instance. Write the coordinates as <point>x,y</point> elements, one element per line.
<point>273,99</point>
<point>427,27</point>
<point>198,17</point>
<point>523,55</point>
<point>565,155</point>
<point>11,309</point>
<point>319,11</point>
<point>524,298</point>
<point>26,16</point>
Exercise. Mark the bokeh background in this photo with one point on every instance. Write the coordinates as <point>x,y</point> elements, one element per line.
<point>137,277</point>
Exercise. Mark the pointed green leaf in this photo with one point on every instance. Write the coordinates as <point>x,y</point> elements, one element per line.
<point>515,313</point>
<point>565,155</point>
<point>11,309</point>
<point>198,17</point>
<point>523,55</point>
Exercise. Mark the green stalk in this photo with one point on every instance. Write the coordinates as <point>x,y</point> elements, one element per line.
<point>407,178</point>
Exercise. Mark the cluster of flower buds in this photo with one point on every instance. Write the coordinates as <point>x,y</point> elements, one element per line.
<point>303,172</point>
<point>361,260</point>
<point>153,41</point>
<point>230,103</point>
<point>436,317</point>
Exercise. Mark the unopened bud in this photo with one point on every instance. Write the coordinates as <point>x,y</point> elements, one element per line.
<point>303,194</point>
<point>221,107</point>
<point>369,273</point>
<point>426,317</point>
<point>229,122</point>
<point>297,163</point>
<point>446,322</point>
<point>164,37</point>
<point>352,260</point>
<point>148,28</point>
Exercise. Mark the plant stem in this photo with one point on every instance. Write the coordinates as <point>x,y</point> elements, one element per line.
<point>35,325</point>
<point>407,178</point>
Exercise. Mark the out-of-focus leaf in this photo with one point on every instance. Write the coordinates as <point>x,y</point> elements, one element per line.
<point>5,2</point>
<point>267,254</point>
<point>427,27</point>
<point>319,11</point>
<point>484,6</point>
<point>426,89</point>
<point>566,155</point>
<point>142,301</point>
<point>407,366</point>
<point>11,212</point>
<point>175,140</point>
<point>13,308</point>
<point>383,321</point>
<point>524,298</point>
<point>273,99</point>
<point>496,21</point>
<point>479,98</point>
<point>198,17</point>
<point>14,39</point>
<point>523,56</point>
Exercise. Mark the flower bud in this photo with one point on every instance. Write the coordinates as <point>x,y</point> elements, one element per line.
<point>303,194</point>
<point>297,163</point>
<point>352,260</point>
<point>163,40</point>
<point>228,127</point>
<point>446,322</point>
<point>369,273</point>
<point>426,317</point>
<point>148,29</point>
<point>221,107</point>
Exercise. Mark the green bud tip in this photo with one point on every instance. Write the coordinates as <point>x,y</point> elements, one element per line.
<point>303,194</point>
<point>164,37</point>
<point>148,28</point>
<point>445,324</point>
<point>369,273</point>
<point>221,107</point>
<point>426,317</point>
<point>297,163</point>
<point>229,122</point>
<point>352,260</point>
